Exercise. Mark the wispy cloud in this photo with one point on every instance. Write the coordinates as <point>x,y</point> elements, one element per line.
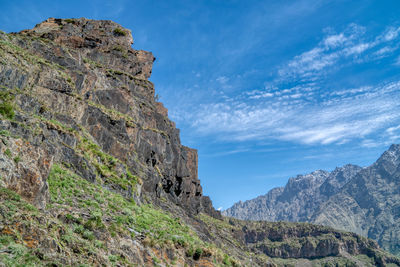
<point>338,50</point>
<point>296,106</point>
<point>350,114</point>
<point>397,61</point>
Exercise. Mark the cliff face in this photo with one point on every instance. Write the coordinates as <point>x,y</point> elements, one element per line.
<point>78,85</point>
<point>92,171</point>
<point>365,201</point>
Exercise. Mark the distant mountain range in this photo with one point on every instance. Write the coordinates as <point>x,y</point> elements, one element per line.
<point>362,200</point>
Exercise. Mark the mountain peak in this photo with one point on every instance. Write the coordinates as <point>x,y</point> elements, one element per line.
<point>390,158</point>
<point>395,148</point>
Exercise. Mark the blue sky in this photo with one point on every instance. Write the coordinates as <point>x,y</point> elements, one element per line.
<point>264,90</point>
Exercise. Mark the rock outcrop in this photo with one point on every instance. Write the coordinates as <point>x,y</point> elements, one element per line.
<point>93,172</point>
<point>24,169</point>
<point>361,200</point>
<point>78,85</point>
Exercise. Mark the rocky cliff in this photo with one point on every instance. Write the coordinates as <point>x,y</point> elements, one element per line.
<point>92,171</point>
<point>362,200</point>
<point>79,88</point>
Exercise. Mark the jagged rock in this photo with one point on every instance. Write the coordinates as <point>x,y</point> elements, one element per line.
<point>298,200</point>
<point>370,203</point>
<point>85,82</point>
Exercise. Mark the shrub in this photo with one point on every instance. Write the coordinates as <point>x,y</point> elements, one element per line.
<point>7,152</point>
<point>17,159</point>
<point>119,32</point>
<point>6,106</point>
<point>7,110</point>
<point>197,253</point>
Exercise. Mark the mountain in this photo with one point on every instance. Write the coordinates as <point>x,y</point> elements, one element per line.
<point>365,201</point>
<point>93,173</point>
<point>370,203</point>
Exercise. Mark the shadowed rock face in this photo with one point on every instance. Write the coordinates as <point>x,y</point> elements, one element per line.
<point>365,201</point>
<point>81,89</point>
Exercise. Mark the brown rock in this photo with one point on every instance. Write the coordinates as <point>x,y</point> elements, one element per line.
<point>24,168</point>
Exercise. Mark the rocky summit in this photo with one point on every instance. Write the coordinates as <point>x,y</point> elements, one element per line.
<point>365,201</point>
<point>92,171</point>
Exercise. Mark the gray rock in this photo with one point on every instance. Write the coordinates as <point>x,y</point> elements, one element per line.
<point>365,201</point>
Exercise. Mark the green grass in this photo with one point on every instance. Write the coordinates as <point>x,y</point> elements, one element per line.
<point>8,153</point>
<point>25,60</point>
<point>17,254</point>
<point>68,189</point>
<point>17,159</point>
<point>116,215</point>
<point>109,169</point>
<point>106,165</point>
<point>69,21</point>
<point>5,133</point>
<point>119,32</point>
<point>7,104</point>
<point>14,253</point>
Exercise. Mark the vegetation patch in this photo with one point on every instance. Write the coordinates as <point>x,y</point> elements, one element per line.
<point>72,21</point>
<point>7,104</point>
<point>112,213</point>
<point>119,32</point>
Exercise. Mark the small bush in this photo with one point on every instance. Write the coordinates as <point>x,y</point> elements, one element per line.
<point>7,152</point>
<point>7,110</point>
<point>17,159</point>
<point>197,253</point>
<point>5,133</point>
<point>119,32</point>
<point>6,106</point>
<point>190,252</point>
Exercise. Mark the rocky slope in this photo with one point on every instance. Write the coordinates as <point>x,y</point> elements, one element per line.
<point>362,200</point>
<point>370,204</point>
<point>92,171</point>
<point>298,200</point>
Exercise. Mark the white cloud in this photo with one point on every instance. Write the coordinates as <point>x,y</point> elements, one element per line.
<point>296,106</point>
<point>335,40</point>
<point>385,50</point>
<point>391,34</point>
<point>222,79</point>
<point>351,114</point>
<point>337,50</point>
<point>261,95</point>
<point>357,49</point>
<point>369,143</point>
<point>391,130</point>
<point>397,62</point>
